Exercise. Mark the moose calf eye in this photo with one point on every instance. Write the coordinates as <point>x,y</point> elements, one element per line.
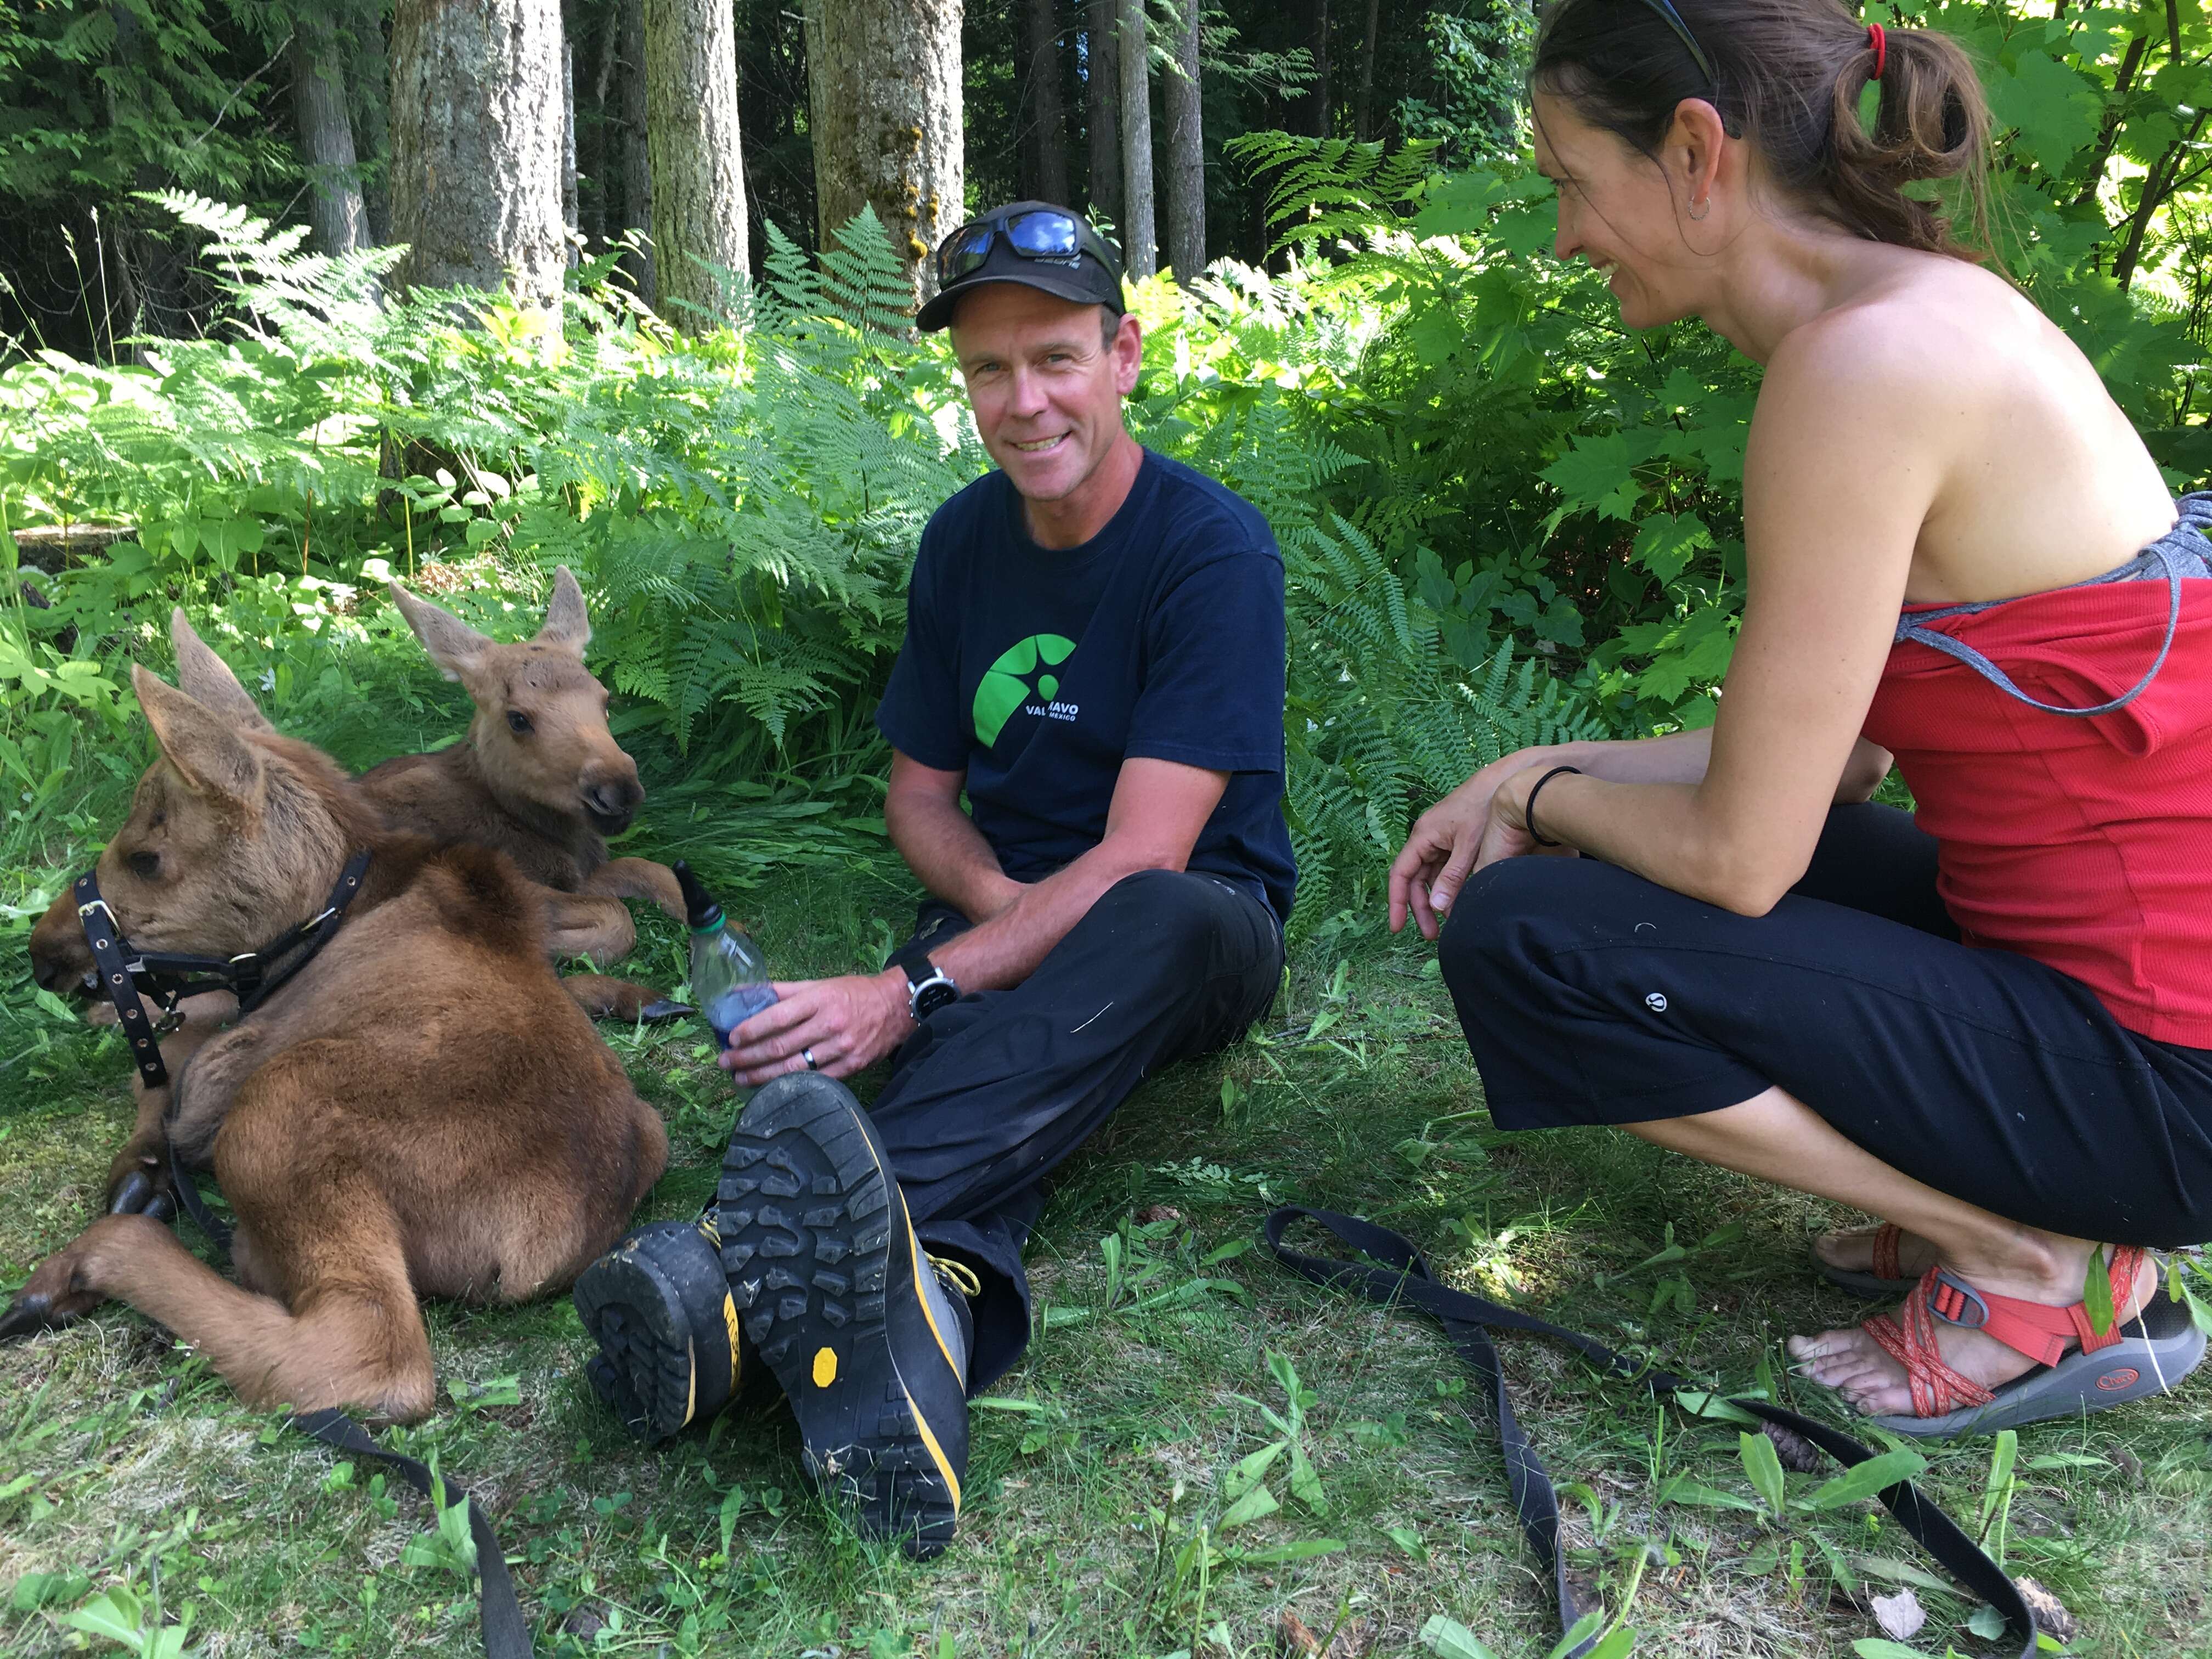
<point>144,866</point>
<point>518,722</point>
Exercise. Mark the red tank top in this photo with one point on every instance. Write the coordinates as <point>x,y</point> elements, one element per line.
<point>2085,844</point>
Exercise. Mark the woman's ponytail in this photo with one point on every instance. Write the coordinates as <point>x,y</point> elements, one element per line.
<point>1788,75</point>
<point>1930,122</point>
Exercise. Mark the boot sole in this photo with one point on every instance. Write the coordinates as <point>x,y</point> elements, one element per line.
<point>634,1304</point>
<point>807,1211</point>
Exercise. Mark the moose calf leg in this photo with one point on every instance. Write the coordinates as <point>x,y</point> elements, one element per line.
<point>139,1177</point>
<point>638,878</point>
<point>594,925</point>
<point>356,1340</point>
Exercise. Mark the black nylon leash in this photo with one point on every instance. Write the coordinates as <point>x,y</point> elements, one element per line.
<point>505,1631</point>
<point>1465,1317</point>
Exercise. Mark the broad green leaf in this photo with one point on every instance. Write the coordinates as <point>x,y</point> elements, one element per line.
<point>1449,1639</point>
<point>116,1614</point>
<point>1303,1549</point>
<point>1681,1489</point>
<point>1249,1470</point>
<point>1257,1502</point>
<point>2097,1293</point>
<point>1762,1466</point>
<point>2051,106</point>
<point>1877,1475</point>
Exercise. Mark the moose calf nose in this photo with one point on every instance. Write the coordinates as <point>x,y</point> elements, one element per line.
<point>615,801</point>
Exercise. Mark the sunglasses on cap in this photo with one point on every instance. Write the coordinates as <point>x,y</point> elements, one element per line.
<point>1039,233</point>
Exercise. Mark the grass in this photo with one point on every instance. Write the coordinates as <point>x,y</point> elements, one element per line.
<point>1105,1514</point>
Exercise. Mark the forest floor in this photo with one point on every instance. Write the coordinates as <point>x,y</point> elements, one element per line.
<point>1096,1521</point>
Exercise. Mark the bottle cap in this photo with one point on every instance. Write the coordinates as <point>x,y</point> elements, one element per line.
<point>700,910</point>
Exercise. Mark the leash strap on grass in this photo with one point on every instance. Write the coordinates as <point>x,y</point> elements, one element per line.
<point>1407,1279</point>
<point>506,1634</point>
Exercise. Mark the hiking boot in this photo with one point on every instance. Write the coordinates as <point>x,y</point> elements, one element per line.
<point>867,1334</point>
<point>671,1350</point>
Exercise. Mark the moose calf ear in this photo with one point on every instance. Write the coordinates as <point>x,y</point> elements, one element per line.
<point>207,679</point>
<point>452,644</point>
<point>213,760</point>
<point>566,624</point>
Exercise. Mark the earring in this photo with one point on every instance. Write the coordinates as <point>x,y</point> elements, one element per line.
<point>1698,211</point>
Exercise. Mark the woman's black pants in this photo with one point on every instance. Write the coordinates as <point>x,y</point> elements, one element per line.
<point>1590,995</point>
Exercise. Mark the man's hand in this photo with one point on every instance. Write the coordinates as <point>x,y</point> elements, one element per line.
<point>848,1023</point>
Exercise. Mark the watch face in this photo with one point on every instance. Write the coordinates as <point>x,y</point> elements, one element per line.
<point>931,995</point>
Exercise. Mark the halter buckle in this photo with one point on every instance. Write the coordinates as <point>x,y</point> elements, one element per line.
<point>86,909</point>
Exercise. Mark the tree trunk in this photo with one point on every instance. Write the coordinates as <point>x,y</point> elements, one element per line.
<point>698,186</point>
<point>595,193</point>
<point>336,220</point>
<point>475,145</point>
<point>1044,155</point>
<point>1317,43</point>
<point>1362,125</point>
<point>1186,192</point>
<point>569,231</point>
<point>637,161</point>
<point>1101,84</point>
<point>1140,246</point>
<point>885,94</point>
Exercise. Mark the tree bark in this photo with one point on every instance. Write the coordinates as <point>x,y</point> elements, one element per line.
<point>1317,43</point>
<point>569,232</point>
<point>475,145</point>
<point>1186,192</point>
<point>1140,244</point>
<point>698,184</point>
<point>338,222</point>
<point>1044,157</point>
<point>1101,92</point>
<point>884,93</point>
<point>1363,124</point>
<point>637,161</point>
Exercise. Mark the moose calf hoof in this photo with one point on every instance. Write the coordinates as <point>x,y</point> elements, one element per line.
<point>663,1008</point>
<point>135,1185</point>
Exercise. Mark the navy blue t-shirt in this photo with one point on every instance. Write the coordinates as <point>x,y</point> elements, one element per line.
<point>1038,671</point>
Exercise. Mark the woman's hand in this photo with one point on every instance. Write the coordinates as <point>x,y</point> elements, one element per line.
<point>1458,836</point>
<point>846,1025</point>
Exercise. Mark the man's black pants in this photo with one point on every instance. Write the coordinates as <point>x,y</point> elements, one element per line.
<point>1590,995</point>
<point>996,1089</point>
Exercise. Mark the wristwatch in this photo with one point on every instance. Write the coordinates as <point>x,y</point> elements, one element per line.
<point>928,986</point>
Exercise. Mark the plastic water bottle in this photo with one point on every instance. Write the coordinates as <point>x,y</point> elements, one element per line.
<point>729,980</point>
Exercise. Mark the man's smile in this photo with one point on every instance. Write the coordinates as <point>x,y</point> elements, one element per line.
<point>1039,446</point>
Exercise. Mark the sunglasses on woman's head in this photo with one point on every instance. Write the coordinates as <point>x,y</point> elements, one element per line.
<point>1039,233</point>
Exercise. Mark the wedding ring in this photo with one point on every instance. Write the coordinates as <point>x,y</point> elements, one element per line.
<point>807,1054</point>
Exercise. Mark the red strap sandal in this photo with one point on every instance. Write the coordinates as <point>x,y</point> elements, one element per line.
<point>2082,1368</point>
<point>1885,1276</point>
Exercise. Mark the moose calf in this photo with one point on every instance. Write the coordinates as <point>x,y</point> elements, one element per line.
<point>421,1110</point>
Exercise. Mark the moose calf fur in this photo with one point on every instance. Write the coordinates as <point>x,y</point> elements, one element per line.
<point>539,777</point>
<point>420,1111</point>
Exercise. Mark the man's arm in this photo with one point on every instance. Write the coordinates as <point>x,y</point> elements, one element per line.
<point>1153,822</point>
<point>940,843</point>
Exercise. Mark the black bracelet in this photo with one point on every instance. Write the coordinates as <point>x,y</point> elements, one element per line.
<point>1528,806</point>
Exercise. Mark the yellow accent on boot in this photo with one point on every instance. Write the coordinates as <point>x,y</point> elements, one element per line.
<point>825,1367</point>
<point>730,1319</point>
<point>936,1453</point>
<point>963,1277</point>
<point>692,1384</point>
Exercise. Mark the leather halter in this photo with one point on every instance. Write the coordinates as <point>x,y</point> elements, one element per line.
<point>123,969</point>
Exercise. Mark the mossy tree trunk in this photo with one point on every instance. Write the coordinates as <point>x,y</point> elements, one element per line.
<point>338,221</point>
<point>885,92</point>
<point>698,178</point>
<point>475,145</point>
<point>1186,192</point>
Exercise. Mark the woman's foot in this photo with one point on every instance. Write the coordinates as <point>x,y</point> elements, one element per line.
<point>1857,1367</point>
<point>1853,1249</point>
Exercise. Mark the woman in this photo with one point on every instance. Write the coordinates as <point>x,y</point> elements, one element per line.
<point>1945,517</point>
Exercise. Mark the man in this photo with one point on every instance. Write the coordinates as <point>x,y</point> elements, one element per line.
<point>1094,652</point>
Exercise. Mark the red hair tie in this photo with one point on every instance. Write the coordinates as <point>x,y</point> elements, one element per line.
<point>1880,42</point>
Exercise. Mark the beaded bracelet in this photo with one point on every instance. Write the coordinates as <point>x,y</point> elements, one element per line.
<point>1529,807</point>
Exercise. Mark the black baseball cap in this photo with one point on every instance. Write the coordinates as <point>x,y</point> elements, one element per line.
<point>1018,243</point>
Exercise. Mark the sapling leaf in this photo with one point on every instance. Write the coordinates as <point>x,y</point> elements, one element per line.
<point>116,1614</point>
<point>1249,1470</point>
<point>1579,1633</point>
<point>2097,1292</point>
<point>1449,1639</point>
<point>733,1503</point>
<point>1619,1642</point>
<point>1306,1485</point>
<point>1252,1506</point>
<point>1987,1623</point>
<point>1764,1469</point>
<point>1877,1475</point>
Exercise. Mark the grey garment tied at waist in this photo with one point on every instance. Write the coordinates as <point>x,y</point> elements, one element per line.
<point>2183,551</point>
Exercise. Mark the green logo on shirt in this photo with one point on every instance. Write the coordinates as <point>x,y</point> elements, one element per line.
<point>1017,677</point>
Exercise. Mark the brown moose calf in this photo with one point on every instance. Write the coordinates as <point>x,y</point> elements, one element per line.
<point>420,1111</point>
<point>540,777</point>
